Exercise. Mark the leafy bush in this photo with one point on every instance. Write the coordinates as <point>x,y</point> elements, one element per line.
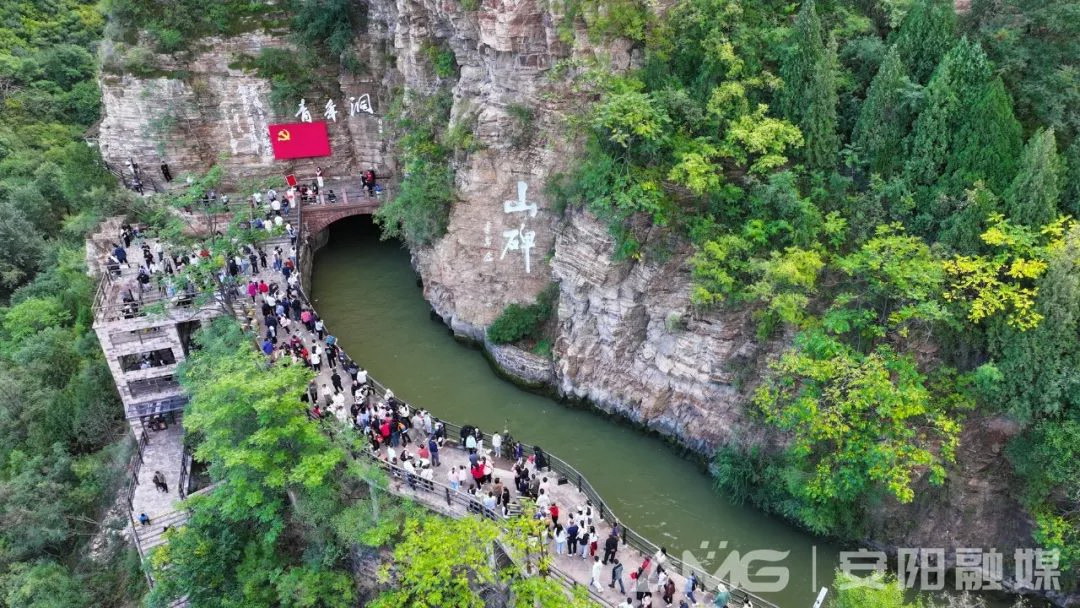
<point>518,322</point>
<point>419,211</point>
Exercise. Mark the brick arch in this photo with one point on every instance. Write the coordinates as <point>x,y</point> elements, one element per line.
<point>316,218</point>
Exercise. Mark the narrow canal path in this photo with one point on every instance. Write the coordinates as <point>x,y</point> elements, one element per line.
<point>366,292</point>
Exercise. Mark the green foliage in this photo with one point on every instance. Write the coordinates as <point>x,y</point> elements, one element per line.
<point>274,468</point>
<point>441,562</point>
<point>967,133</point>
<point>442,59</point>
<point>1032,198</point>
<point>176,26</point>
<point>1038,366</point>
<point>517,322</point>
<point>419,211</point>
<point>925,35</point>
<point>859,423</point>
<point>329,23</point>
<point>62,441</point>
<point>990,285</point>
<point>809,96</point>
<point>606,19</point>
<point>877,590</point>
<point>1035,45</point>
<point>885,117</point>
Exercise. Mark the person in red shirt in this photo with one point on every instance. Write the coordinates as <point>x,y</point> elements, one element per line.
<point>554,510</point>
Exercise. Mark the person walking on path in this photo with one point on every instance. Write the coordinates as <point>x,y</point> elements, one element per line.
<point>597,568</point>
<point>160,483</point>
<point>610,546</point>
<point>668,592</point>
<point>616,577</point>
<point>691,586</point>
<point>496,445</point>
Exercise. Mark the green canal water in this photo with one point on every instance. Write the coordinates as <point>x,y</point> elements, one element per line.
<point>368,295</point>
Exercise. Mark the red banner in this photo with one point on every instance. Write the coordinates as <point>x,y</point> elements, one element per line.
<point>299,140</point>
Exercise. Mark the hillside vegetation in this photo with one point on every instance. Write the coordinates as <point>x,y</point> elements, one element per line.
<point>892,184</point>
<point>62,435</point>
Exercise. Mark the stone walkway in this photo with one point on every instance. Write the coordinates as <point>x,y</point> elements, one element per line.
<point>164,452</point>
<point>566,496</point>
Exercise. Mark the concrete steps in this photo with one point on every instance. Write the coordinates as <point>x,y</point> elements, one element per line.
<point>153,535</point>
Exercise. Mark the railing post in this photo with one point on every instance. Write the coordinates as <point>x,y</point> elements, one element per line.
<point>579,482</point>
<point>448,503</point>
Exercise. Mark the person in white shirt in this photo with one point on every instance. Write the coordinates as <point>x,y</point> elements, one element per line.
<point>470,443</point>
<point>543,501</point>
<point>584,538</point>
<point>597,568</point>
<point>560,540</point>
<point>496,445</point>
<point>626,604</point>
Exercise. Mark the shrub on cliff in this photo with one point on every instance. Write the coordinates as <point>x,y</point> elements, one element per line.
<point>518,322</point>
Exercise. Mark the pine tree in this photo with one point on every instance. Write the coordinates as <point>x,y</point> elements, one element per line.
<point>809,97</point>
<point>1033,197</point>
<point>958,85</point>
<point>987,143</point>
<point>924,37</point>
<point>800,64</point>
<point>884,117</point>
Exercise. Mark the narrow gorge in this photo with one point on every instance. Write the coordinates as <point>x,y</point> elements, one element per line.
<point>515,77</point>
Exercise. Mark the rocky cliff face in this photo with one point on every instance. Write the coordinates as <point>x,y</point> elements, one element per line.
<point>626,340</point>
<point>200,109</point>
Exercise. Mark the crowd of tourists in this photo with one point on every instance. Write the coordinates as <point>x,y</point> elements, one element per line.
<point>413,443</point>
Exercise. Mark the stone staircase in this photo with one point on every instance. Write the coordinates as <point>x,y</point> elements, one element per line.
<point>153,535</point>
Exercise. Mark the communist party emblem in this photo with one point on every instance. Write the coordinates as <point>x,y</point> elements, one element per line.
<point>284,135</point>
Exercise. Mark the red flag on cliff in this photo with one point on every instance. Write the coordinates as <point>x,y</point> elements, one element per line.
<point>299,140</point>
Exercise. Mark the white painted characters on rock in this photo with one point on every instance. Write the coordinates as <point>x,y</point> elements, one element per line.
<point>521,204</point>
<point>303,113</point>
<point>330,111</point>
<point>361,104</point>
<point>488,256</point>
<point>519,239</point>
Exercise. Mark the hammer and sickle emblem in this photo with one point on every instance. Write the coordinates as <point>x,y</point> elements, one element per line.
<point>284,135</point>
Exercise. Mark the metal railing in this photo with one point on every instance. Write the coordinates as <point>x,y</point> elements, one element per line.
<point>131,476</point>
<point>153,386</point>
<point>185,474</point>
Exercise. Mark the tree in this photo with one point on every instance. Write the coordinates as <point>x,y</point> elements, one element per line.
<point>880,591</point>
<point>1032,198</point>
<point>268,458</point>
<point>1002,283</point>
<point>885,117</point>
<point>965,133</point>
<point>809,97</point>
<point>987,142</point>
<point>925,35</point>
<point>858,423</point>
<point>442,562</point>
<point>1039,365</point>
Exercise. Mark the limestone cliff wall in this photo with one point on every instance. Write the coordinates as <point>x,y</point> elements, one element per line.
<point>195,110</point>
